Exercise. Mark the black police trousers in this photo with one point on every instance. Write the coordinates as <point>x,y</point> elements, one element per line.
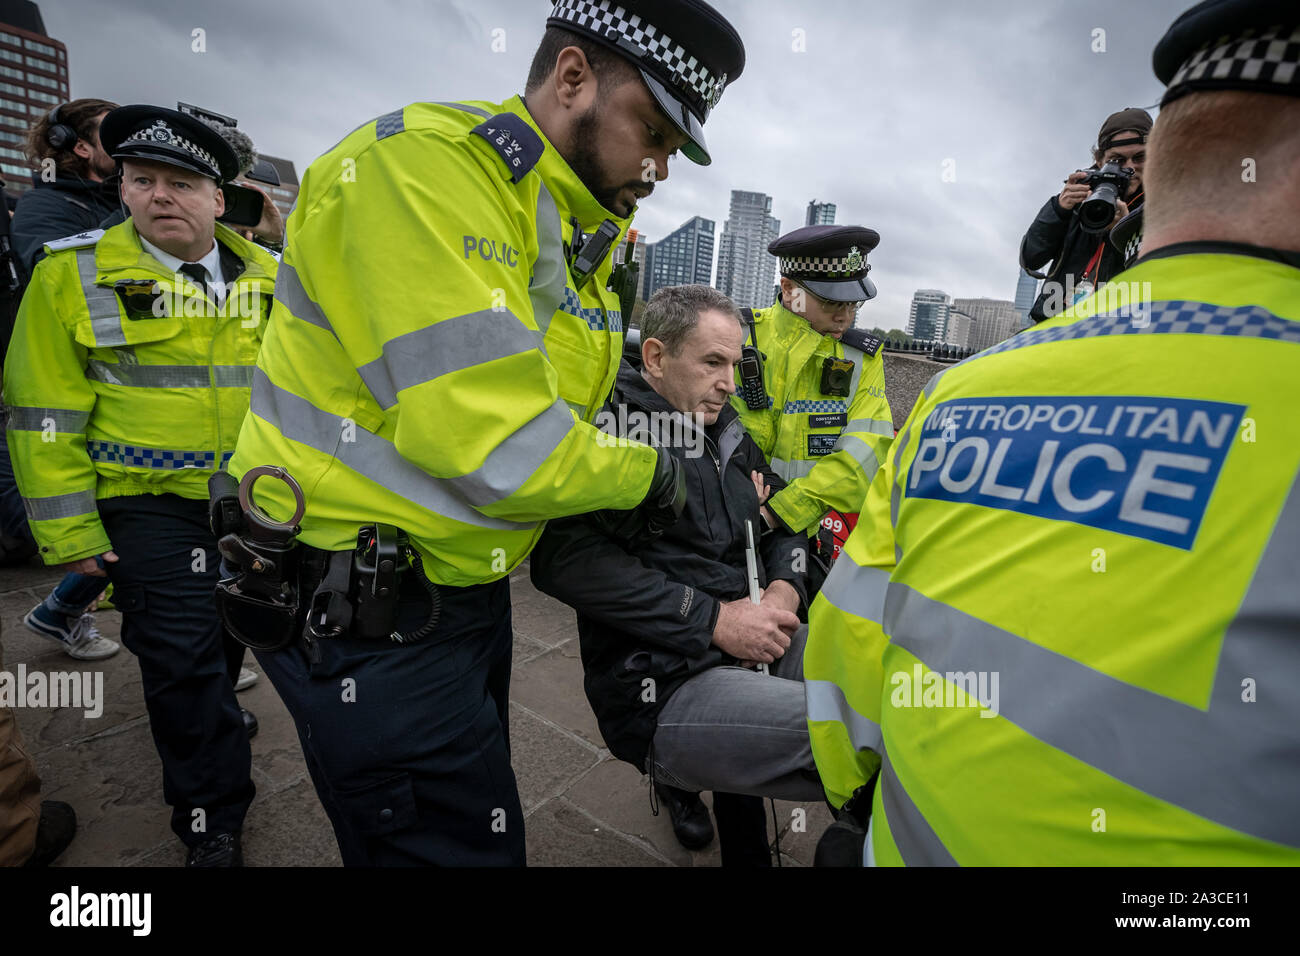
<point>407,744</point>
<point>163,584</point>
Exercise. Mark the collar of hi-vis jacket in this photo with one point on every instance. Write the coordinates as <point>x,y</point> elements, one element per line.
<point>569,192</point>
<point>119,248</point>
<point>792,334</point>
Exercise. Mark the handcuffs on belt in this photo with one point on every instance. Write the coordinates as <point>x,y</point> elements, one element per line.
<point>258,594</point>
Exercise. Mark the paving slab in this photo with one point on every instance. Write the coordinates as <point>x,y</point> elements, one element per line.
<point>551,685</point>
<point>561,834</point>
<point>546,758</point>
<point>617,793</point>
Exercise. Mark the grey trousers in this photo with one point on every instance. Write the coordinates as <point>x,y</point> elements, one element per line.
<point>740,731</point>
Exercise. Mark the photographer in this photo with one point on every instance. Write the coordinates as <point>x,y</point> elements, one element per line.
<point>1063,234</point>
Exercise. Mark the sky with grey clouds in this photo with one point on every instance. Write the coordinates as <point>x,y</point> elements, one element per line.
<point>865,116</point>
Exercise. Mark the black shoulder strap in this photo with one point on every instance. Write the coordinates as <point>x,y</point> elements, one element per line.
<point>748,316</point>
<point>862,341</point>
<point>515,142</point>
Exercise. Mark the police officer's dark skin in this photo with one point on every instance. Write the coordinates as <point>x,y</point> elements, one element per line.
<point>616,138</point>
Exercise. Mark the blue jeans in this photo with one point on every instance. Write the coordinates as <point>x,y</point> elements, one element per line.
<point>75,591</point>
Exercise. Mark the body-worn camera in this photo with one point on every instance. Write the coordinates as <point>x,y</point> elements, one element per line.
<point>1108,185</point>
<point>837,377</point>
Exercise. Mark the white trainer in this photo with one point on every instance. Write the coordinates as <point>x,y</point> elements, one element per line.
<point>87,644</point>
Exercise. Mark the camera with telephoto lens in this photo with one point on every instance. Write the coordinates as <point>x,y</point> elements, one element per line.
<point>1108,184</point>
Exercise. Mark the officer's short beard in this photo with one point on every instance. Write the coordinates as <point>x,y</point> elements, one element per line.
<point>586,163</point>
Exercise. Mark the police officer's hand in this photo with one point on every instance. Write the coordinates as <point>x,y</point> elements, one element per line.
<point>764,490</point>
<point>658,511</point>
<point>754,632</point>
<point>1075,191</point>
<point>90,565</point>
<point>666,499</point>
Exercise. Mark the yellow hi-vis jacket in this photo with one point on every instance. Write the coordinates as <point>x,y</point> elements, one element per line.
<point>828,448</point>
<point>1070,632</point>
<point>108,399</point>
<point>431,362</point>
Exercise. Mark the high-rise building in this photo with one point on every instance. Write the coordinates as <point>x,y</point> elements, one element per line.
<point>746,270</point>
<point>958,331</point>
<point>1026,292</point>
<point>820,214</point>
<point>993,321</point>
<point>683,257</point>
<point>927,319</point>
<point>33,80</point>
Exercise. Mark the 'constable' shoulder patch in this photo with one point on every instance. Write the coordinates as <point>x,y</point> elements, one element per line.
<point>80,240</point>
<point>515,141</point>
<point>862,341</point>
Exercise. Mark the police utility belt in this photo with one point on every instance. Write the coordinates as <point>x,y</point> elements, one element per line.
<point>266,570</point>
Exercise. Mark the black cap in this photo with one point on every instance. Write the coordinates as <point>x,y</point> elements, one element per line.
<point>686,51</point>
<point>1249,45</point>
<point>1130,119</point>
<point>830,261</point>
<point>166,136</point>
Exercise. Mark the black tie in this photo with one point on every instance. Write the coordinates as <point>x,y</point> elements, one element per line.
<point>198,275</point>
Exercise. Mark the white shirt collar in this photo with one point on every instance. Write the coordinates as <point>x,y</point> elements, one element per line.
<point>211,262</point>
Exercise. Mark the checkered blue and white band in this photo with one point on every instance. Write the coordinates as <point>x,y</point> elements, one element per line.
<point>824,265</point>
<point>160,132</point>
<point>600,16</point>
<point>1268,57</point>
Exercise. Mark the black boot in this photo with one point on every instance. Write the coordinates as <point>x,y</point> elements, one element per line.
<point>222,850</point>
<point>691,823</point>
<point>54,832</point>
<point>742,829</point>
<point>250,722</point>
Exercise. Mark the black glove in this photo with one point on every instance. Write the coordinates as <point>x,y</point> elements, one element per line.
<point>666,499</point>
<point>658,511</point>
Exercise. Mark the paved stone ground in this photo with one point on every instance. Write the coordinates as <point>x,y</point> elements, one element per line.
<point>583,807</point>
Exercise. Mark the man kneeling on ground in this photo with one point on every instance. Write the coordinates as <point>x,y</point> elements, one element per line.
<point>670,638</point>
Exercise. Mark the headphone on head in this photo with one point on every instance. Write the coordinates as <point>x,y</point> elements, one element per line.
<point>59,134</point>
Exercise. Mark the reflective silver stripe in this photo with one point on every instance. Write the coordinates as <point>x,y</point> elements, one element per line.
<point>896,487</point>
<point>859,359</point>
<point>870,426</point>
<point>369,455</point>
<point>513,462</point>
<point>60,506</point>
<point>546,287</point>
<point>917,842</point>
<point>467,108</point>
<point>101,302</point>
<point>26,418</point>
<point>1237,764</point>
<point>825,701</point>
<point>290,293</point>
<point>857,590</point>
<point>790,470</point>
<point>448,346</point>
<point>863,453</point>
<point>233,376</point>
<point>169,376</point>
